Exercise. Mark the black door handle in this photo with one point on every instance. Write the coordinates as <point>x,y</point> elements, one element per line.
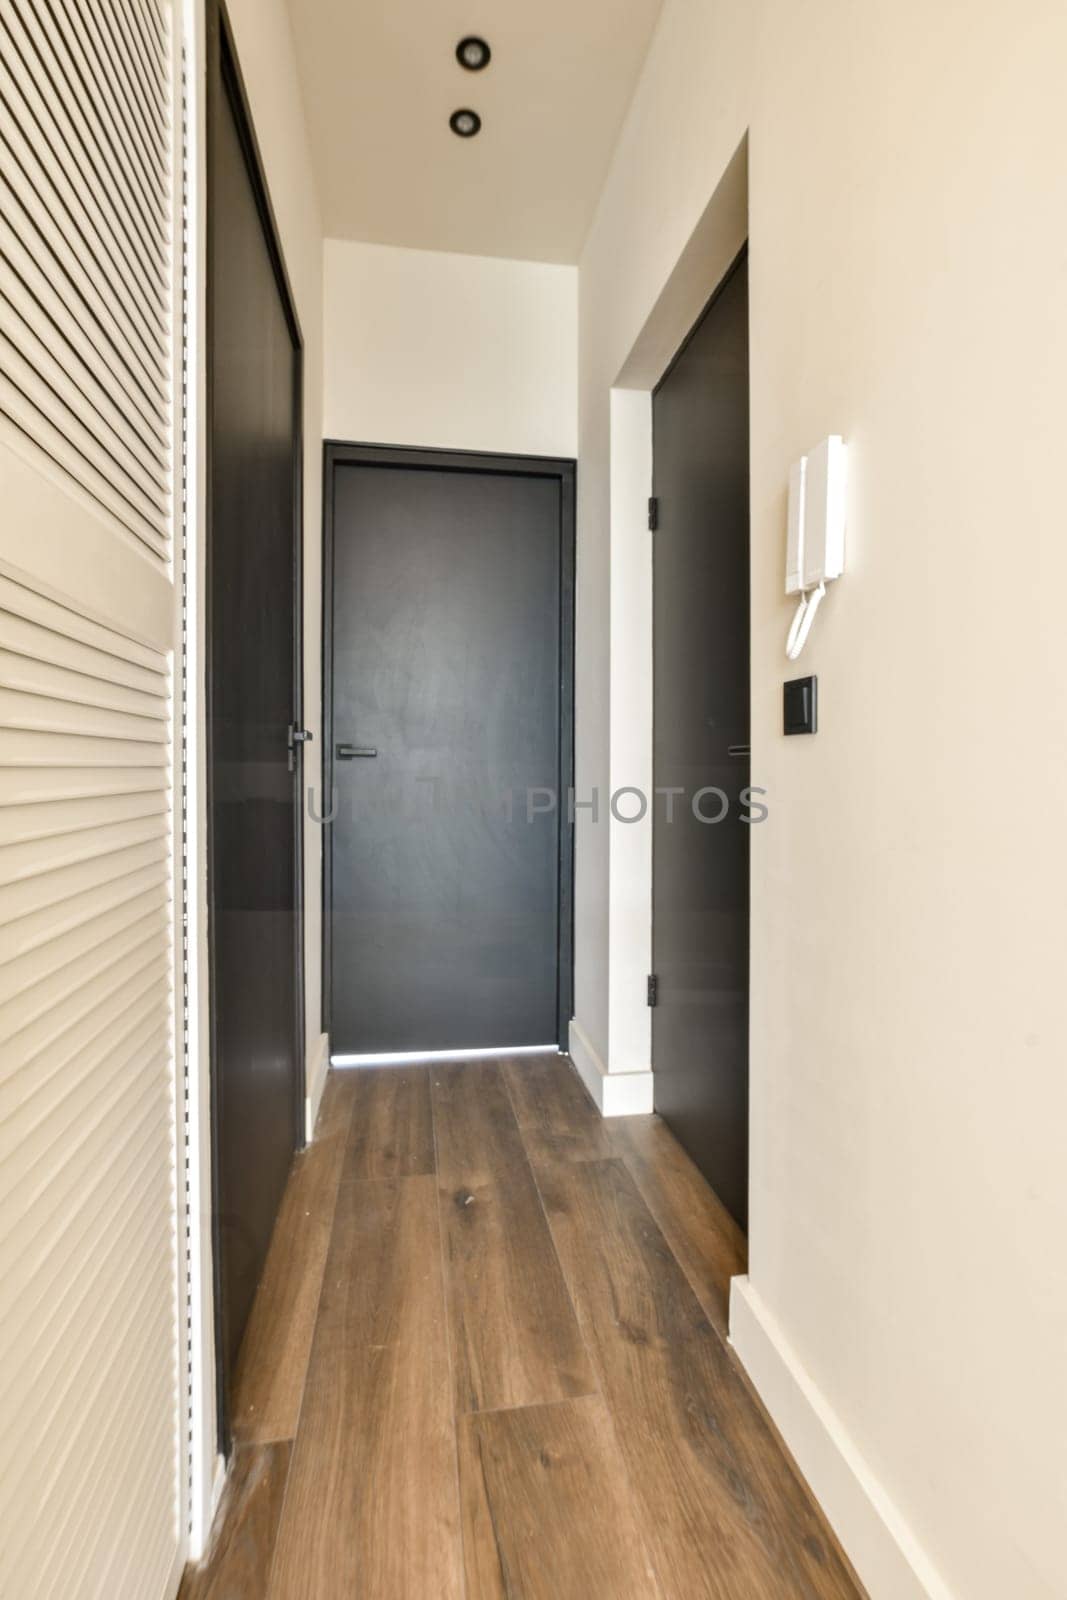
<point>349,752</point>
<point>738,750</point>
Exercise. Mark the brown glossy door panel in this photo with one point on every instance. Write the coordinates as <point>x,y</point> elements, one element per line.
<point>701,708</point>
<point>448,749</point>
<point>253,699</point>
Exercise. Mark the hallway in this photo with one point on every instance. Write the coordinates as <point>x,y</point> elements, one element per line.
<point>489,1358</point>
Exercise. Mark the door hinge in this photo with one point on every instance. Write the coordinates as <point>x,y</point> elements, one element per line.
<point>653,513</point>
<point>296,738</point>
<point>653,989</point>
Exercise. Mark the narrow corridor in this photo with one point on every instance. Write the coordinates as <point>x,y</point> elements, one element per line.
<point>489,1358</point>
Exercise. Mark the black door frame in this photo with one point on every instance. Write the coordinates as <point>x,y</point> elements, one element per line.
<point>740,259</point>
<point>337,454</point>
<point>225,87</point>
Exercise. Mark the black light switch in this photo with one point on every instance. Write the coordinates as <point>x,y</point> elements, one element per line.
<point>800,705</point>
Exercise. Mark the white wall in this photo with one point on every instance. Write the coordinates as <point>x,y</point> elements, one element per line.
<point>908,234</point>
<point>463,352</point>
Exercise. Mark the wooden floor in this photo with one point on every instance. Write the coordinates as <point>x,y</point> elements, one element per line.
<point>488,1359</point>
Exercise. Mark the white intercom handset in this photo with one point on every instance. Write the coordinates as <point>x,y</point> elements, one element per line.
<point>815,551</point>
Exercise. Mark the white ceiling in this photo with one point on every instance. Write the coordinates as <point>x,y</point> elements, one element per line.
<point>380,81</point>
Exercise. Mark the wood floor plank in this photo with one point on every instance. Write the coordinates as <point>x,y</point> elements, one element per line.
<point>378,1517</point>
<point>708,1244</point>
<point>724,1513</point>
<point>476,1132</point>
<point>390,1132</point>
<point>238,1562</point>
<point>547,1507</point>
<point>372,1507</point>
<point>335,1107</point>
<point>276,1348</point>
<point>514,1335</point>
<point>556,1117</point>
<point>382,1283</point>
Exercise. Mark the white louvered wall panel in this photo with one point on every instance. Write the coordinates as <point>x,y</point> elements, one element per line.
<point>89,302</point>
<point>85,304</point>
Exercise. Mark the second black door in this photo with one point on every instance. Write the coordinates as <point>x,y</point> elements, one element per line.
<point>701,711</point>
<point>448,584</point>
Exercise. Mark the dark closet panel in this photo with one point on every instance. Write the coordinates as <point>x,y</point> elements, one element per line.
<point>253,577</point>
<point>701,707</point>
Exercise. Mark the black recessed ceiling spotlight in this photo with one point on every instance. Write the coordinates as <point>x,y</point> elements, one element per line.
<point>473,53</point>
<point>465,123</point>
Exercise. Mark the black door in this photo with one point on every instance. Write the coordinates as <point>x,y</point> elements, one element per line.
<point>449,594</point>
<point>701,708</point>
<point>254,697</point>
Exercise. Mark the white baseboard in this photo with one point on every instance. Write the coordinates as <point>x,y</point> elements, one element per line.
<point>200,1538</point>
<point>176,1574</point>
<point>885,1553</point>
<point>317,1068</point>
<point>617,1094</point>
<point>218,1484</point>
